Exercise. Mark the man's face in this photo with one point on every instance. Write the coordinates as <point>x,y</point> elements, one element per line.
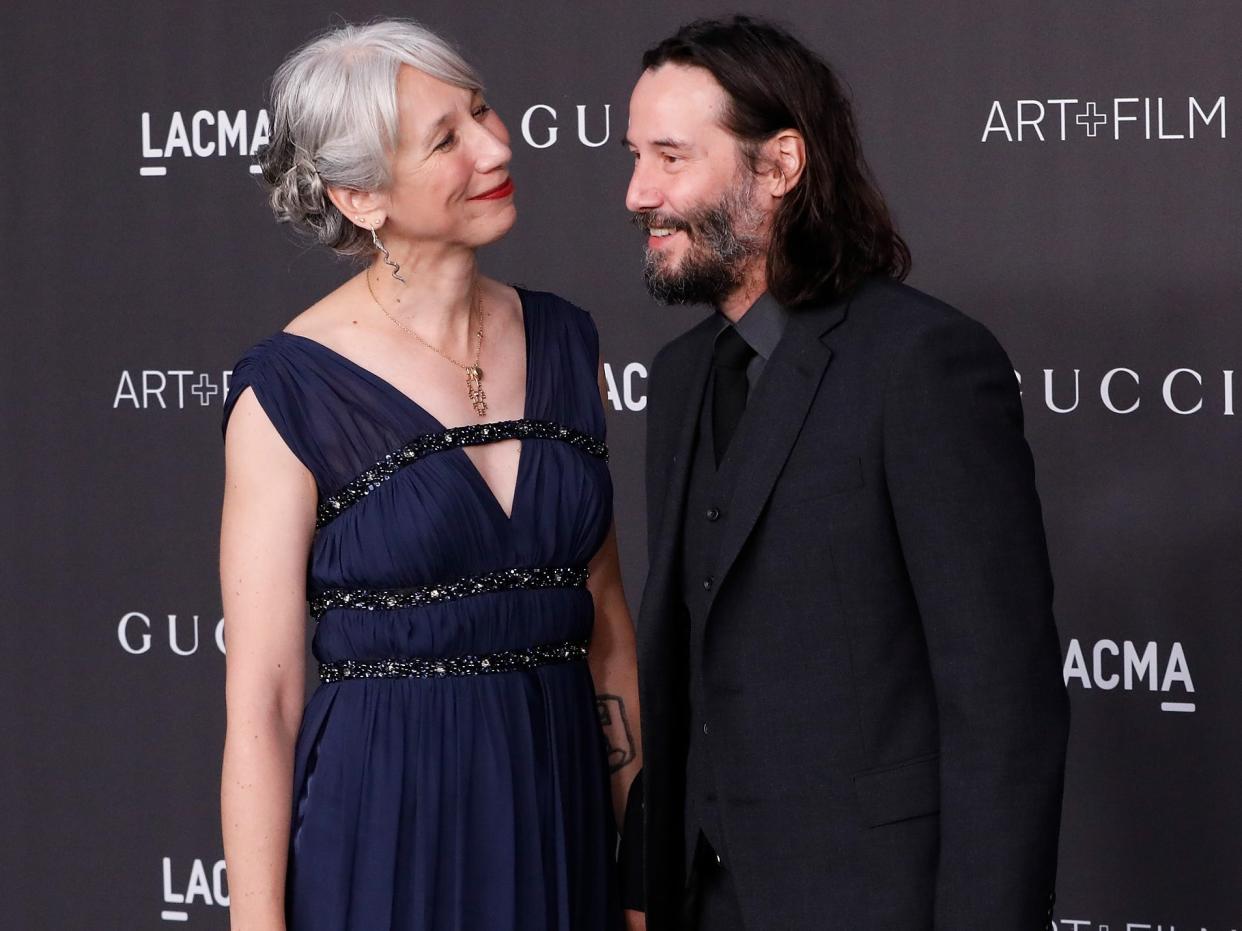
<point>691,191</point>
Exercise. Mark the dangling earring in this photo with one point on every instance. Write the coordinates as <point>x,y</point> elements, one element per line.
<point>396,268</point>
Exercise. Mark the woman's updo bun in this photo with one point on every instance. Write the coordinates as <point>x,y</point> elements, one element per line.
<point>297,196</point>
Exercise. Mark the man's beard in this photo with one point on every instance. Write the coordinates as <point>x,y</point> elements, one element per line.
<point>723,241</point>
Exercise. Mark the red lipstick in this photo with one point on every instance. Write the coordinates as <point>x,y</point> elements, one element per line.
<point>504,189</point>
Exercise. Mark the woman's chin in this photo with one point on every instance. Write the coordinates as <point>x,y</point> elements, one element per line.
<point>498,228</point>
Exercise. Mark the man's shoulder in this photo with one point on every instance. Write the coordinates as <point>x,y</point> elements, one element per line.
<point>894,310</point>
<point>903,327</point>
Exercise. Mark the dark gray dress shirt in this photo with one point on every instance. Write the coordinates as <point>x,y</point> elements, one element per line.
<point>762,326</point>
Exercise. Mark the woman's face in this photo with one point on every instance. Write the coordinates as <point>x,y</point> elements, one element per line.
<point>450,178</point>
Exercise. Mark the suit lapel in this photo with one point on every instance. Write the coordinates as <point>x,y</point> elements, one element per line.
<point>775,414</point>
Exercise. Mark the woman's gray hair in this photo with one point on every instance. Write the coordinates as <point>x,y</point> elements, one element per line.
<point>335,122</point>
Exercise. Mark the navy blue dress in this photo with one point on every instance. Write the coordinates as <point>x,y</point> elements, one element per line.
<point>472,795</point>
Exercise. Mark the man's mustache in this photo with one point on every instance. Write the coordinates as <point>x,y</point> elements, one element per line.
<point>646,221</point>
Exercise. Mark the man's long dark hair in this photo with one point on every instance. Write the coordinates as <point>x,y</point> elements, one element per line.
<point>833,229</point>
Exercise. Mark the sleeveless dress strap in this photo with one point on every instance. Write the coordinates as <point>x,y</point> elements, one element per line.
<point>264,370</point>
<point>564,338</point>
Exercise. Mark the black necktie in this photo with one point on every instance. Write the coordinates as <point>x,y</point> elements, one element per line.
<point>731,356</point>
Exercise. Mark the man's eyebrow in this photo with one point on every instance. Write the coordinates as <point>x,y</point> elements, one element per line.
<point>665,143</point>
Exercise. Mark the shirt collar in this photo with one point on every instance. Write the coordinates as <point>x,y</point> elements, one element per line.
<point>762,326</point>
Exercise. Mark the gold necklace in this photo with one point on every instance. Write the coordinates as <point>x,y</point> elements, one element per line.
<point>474,374</point>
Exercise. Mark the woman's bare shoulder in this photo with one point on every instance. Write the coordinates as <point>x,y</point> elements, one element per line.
<point>327,317</point>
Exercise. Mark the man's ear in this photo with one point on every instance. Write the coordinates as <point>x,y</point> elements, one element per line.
<point>785,156</point>
<point>365,208</point>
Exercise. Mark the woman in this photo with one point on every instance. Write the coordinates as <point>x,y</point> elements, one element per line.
<point>420,456</point>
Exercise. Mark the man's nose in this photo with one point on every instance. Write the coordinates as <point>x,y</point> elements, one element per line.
<point>642,194</point>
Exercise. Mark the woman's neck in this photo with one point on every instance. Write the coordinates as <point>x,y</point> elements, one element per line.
<point>437,295</point>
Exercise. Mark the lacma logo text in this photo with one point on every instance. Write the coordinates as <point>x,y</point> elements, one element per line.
<point>1130,666</point>
<point>197,885</point>
<point>203,134</point>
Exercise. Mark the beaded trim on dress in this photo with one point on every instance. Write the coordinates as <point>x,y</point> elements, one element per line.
<point>336,504</point>
<point>542,654</point>
<point>382,599</point>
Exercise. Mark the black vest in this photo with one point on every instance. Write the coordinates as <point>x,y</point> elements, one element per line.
<point>705,517</point>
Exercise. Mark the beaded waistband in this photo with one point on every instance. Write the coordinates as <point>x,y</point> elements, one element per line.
<point>544,654</point>
<point>386,599</point>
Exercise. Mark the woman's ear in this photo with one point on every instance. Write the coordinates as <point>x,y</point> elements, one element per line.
<point>364,208</point>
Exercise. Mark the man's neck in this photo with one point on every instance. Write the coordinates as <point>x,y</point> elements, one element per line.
<point>743,297</point>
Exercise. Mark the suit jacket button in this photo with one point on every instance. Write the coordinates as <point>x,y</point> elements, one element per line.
<point>713,514</point>
<point>707,584</point>
<point>705,728</point>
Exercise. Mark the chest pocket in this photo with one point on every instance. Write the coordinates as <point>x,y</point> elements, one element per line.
<point>808,479</point>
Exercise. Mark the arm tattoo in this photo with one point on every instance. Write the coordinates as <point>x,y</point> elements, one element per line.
<point>617,733</point>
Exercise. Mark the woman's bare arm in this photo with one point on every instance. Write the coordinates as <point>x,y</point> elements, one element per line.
<point>613,657</point>
<point>266,529</point>
<point>614,667</point>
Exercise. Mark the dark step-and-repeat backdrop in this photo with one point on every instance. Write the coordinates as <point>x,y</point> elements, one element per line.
<point>1068,173</point>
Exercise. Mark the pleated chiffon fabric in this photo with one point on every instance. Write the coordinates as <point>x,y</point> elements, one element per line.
<point>468,803</point>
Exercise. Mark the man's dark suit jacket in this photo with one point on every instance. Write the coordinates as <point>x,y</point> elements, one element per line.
<point>881,669</point>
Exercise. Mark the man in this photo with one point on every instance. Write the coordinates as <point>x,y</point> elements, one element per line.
<point>852,706</point>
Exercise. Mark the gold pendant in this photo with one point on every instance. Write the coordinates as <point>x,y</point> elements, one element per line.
<point>474,388</point>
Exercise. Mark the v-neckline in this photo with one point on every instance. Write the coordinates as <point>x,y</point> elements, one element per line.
<point>385,385</point>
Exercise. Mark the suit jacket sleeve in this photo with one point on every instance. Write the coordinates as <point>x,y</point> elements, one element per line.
<point>962,487</point>
<point>657,464</point>
<point>630,850</point>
